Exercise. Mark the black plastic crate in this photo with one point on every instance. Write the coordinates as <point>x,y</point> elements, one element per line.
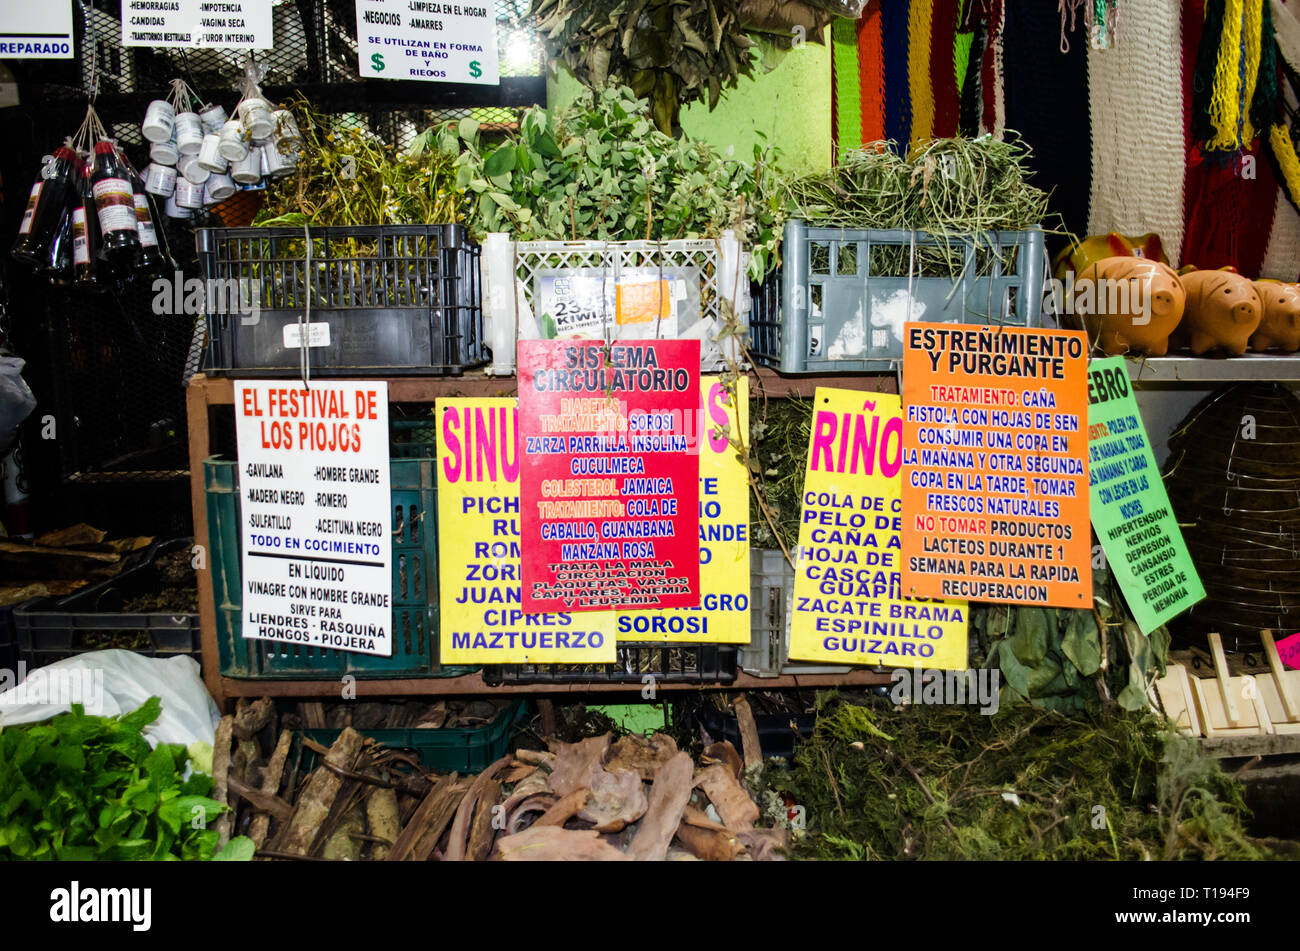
<point>777,733</point>
<point>666,663</point>
<point>392,299</point>
<point>50,629</point>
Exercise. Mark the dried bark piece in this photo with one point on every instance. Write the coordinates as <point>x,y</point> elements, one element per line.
<point>553,844</point>
<point>251,719</point>
<point>565,808</point>
<point>343,845</point>
<point>539,803</point>
<point>483,828</point>
<point>423,822</point>
<point>644,755</point>
<point>271,777</point>
<point>724,752</point>
<point>261,801</point>
<point>708,844</point>
<point>764,845</point>
<point>669,795</point>
<point>617,799</point>
<point>220,777</point>
<point>541,758</point>
<point>749,741</point>
<point>381,817</point>
<point>578,764</point>
<point>317,799</point>
<point>737,811</point>
<point>697,817</point>
<point>518,773</point>
<point>456,844</point>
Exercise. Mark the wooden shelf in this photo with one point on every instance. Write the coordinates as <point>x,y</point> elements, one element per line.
<point>205,392</point>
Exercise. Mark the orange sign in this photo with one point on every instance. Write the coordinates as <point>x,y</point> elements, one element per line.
<point>995,464</point>
<point>640,302</point>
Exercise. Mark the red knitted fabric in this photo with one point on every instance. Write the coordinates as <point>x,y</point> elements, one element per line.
<point>943,71</point>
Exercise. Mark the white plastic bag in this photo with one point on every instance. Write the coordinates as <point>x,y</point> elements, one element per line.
<point>16,400</point>
<point>110,683</point>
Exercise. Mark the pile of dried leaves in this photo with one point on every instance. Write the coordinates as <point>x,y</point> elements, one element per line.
<point>636,798</point>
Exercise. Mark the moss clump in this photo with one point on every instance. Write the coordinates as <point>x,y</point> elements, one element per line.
<point>930,782</point>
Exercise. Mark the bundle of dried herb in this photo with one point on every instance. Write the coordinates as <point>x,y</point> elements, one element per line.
<point>672,52</point>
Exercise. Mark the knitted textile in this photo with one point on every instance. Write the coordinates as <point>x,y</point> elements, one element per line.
<point>894,23</point>
<point>1045,93</point>
<point>943,67</point>
<point>920,18</point>
<point>1135,95</point>
<point>846,98</point>
<point>871,75</point>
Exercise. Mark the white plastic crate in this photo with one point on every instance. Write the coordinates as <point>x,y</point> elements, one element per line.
<point>770,607</point>
<point>521,278</point>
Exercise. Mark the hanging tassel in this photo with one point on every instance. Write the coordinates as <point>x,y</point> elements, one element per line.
<point>844,76</point>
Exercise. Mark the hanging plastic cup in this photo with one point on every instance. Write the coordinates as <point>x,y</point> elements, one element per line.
<point>171,209</point>
<point>210,156</point>
<point>189,133</point>
<point>275,164</point>
<point>159,121</point>
<point>286,129</point>
<point>164,153</point>
<point>255,117</point>
<point>249,170</point>
<point>188,195</point>
<point>213,117</point>
<point>218,188</point>
<point>192,171</point>
<point>233,144</point>
<point>160,180</point>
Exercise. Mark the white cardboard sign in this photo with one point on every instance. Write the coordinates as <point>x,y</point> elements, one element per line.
<point>204,24</point>
<point>428,40</point>
<point>315,513</point>
<point>36,30</point>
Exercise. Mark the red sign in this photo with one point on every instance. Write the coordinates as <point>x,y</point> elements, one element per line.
<point>609,474</point>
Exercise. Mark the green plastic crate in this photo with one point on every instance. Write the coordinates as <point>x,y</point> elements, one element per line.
<point>461,749</point>
<point>415,587</point>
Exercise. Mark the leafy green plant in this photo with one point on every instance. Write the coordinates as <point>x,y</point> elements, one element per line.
<point>349,176</point>
<point>1071,660</point>
<point>599,170</point>
<point>80,787</point>
<point>670,51</point>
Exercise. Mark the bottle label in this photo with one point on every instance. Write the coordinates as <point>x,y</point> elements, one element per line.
<point>115,200</point>
<point>30,213</point>
<point>80,243</point>
<point>144,223</point>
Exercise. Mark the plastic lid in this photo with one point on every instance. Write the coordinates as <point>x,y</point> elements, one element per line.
<point>103,147</point>
<point>65,153</point>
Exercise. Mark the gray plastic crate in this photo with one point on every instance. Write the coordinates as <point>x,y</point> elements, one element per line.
<point>842,296</point>
<point>770,607</point>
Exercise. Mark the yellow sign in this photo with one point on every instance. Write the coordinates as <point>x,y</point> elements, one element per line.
<point>723,614</point>
<point>482,621</point>
<point>848,603</point>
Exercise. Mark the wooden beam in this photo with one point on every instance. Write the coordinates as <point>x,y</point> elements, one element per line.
<point>196,415</point>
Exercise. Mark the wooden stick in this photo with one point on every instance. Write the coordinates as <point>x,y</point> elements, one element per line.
<point>1225,680</point>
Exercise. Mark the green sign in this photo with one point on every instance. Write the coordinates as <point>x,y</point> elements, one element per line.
<point>1130,508</point>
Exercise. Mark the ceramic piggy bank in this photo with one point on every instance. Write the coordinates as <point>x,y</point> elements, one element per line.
<point>1130,304</point>
<point>1280,328</point>
<point>1079,257</point>
<point>1222,311</point>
